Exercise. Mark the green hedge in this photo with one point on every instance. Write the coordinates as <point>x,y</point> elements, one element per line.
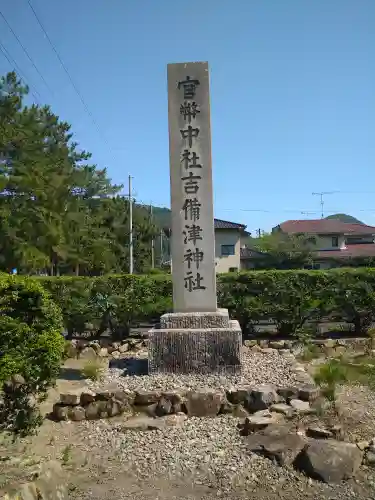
<point>31,348</point>
<point>287,298</point>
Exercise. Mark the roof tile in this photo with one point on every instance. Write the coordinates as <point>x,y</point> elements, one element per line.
<point>324,226</point>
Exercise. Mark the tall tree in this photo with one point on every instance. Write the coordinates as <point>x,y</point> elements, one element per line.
<point>284,251</point>
<point>58,212</point>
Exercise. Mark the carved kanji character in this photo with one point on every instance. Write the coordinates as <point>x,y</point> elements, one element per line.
<point>189,86</point>
<point>193,257</point>
<point>190,133</point>
<point>192,233</point>
<point>190,159</point>
<point>189,110</point>
<point>192,209</point>
<point>193,282</point>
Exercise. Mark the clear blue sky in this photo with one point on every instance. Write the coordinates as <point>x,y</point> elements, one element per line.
<point>292,94</point>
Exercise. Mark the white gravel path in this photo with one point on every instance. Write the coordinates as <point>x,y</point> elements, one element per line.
<point>268,367</point>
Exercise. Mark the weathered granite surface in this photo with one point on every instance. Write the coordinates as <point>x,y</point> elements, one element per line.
<point>189,350</point>
<point>218,319</point>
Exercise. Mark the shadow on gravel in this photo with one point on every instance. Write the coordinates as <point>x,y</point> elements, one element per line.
<point>67,373</point>
<point>131,366</point>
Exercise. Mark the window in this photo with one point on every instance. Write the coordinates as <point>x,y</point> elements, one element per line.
<point>233,269</point>
<point>227,250</point>
<point>335,241</point>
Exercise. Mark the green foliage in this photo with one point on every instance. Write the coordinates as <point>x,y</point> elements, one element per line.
<point>93,370</point>
<point>110,302</point>
<point>31,346</point>
<point>329,376</point>
<point>58,213</point>
<point>294,300</point>
<point>283,251</point>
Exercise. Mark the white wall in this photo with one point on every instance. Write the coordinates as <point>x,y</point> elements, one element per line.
<point>227,237</point>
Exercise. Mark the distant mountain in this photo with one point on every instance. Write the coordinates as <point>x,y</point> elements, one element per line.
<point>162,217</point>
<point>345,218</point>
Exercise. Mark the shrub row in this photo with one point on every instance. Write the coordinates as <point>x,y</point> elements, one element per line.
<point>31,349</point>
<point>288,299</point>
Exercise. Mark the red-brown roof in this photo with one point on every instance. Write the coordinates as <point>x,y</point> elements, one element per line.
<point>351,251</point>
<point>225,224</point>
<point>324,226</point>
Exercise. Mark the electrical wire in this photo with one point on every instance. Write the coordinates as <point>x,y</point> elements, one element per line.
<point>21,74</point>
<point>66,70</point>
<point>25,51</point>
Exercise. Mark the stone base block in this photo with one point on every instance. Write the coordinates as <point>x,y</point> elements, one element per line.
<point>196,320</point>
<point>199,351</point>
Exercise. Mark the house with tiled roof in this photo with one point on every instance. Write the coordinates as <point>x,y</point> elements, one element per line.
<point>228,245</point>
<point>335,241</point>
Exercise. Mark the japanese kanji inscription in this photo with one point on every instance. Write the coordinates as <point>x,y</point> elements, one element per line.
<point>193,244</point>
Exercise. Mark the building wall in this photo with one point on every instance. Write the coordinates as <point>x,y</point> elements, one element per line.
<point>324,242</point>
<point>225,262</point>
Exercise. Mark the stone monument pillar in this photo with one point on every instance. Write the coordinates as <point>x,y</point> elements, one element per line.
<point>197,337</point>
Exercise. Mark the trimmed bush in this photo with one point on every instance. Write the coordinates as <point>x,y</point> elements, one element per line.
<point>31,346</point>
<point>289,299</point>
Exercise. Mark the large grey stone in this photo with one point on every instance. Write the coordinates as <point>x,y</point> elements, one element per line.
<point>262,396</point>
<point>217,319</point>
<point>205,403</point>
<point>217,350</point>
<point>70,398</point>
<point>330,461</point>
<point>194,288</point>
<point>277,443</point>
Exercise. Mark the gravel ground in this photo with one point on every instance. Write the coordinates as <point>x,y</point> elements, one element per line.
<point>206,453</point>
<point>258,368</point>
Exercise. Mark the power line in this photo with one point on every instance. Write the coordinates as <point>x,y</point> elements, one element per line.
<point>25,51</point>
<point>65,68</point>
<point>12,61</point>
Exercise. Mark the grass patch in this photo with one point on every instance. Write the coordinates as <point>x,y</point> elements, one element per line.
<point>93,370</point>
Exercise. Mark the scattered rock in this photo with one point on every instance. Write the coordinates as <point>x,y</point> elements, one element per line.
<point>142,423</point>
<point>146,397</point>
<point>97,409</point>
<point>70,398</point>
<point>261,397</point>
<point>116,354</point>
<point>282,408</point>
<point>330,461</point>
<point>277,443</point>
<point>369,459</point>
<point>87,397</point>
<point>239,395</point>
<point>318,433</point>
<point>163,407</point>
<point>277,344</point>
<point>103,352</point>
<point>204,403</point>
<point>258,421</point>
<point>123,348</point>
<point>60,412</point>
<point>176,420</point>
<point>300,406</point>
<point>309,393</point>
<point>76,413</point>
<point>363,445</point>
<point>288,393</point>
<point>88,353</point>
<point>250,343</point>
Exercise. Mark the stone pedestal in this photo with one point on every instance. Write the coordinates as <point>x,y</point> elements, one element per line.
<point>199,343</point>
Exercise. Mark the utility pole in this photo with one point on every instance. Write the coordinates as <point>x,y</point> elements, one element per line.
<point>161,248</point>
<point>322,194</point>
<point>152,243</point>
<point>130,226</point>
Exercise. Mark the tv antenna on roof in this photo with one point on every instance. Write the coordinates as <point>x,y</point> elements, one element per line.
<point>322,194</point>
